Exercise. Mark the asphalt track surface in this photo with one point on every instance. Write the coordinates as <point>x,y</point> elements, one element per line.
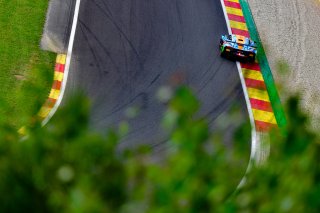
<point>125,50</point>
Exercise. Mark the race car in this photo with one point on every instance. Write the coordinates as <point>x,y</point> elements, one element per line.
<point>238,47</point>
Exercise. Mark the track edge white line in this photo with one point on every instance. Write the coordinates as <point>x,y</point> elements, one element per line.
<point>256,152</point>
<point>67,65</point>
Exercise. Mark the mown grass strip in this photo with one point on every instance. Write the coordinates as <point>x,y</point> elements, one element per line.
<point>25,70</point>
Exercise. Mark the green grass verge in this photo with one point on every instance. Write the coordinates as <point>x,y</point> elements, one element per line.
<point>25,70</point>
<point>265,68</point>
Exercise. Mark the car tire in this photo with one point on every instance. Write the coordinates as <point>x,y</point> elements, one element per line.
<point>252,59</point>
<point>223,54</point>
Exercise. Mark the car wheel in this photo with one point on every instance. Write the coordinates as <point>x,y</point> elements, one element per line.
<point>223,54</point>
<point>252,59</point>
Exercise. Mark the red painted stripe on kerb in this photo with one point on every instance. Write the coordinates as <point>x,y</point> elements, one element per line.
<point>251,66</point>
<point>50,102</point>
<point>59,67</point>
<point>263,126</point>
<point>236,18</point>
<point>261,105</point>
<point>56,85</point>
<point>232,4</point>
<point>240,32</point>
<point>252,83</point>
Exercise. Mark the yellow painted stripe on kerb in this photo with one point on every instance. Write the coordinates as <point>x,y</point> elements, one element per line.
<point>61,59</point>
<point>237,1</point>
<point>252,74</point>
<point>238,25</point>
<point>44,112</point>
<point>264,116</point>
<point>234,11</point>
<point>54,94</point>
<point>58,76</point>
<point>258,94</point>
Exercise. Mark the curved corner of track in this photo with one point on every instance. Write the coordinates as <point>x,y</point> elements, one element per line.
<point>259,106</point>
<point>258,103</point>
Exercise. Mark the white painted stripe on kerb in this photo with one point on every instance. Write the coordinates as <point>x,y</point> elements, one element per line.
<point>226,16</point>
<point>67,65</point>
<point>244,88</point>
<point>253,125</point>
<point>259,151</point>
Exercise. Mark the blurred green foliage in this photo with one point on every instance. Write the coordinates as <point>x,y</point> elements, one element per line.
<point>66,167</point>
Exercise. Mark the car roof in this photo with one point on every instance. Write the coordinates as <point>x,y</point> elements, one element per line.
<point>240,39</point>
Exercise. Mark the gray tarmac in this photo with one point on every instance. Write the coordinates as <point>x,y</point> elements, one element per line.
<point>57,28</point>
<point>124,51</point>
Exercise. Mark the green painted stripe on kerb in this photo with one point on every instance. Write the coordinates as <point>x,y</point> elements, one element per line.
<point>265,68</point>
